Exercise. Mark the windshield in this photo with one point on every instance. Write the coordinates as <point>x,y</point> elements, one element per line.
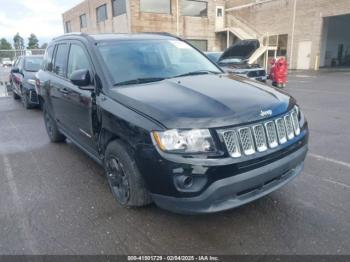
<point>152,59</point>
<point>214,56</point>
<point>32,64</point>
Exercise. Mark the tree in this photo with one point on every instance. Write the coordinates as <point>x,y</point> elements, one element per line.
<point>4,44</point>
<point>43,46</point>
<point>18,41</point>
<point>33,42</point>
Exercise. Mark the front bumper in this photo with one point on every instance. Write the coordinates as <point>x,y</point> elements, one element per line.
<point>239,189</point>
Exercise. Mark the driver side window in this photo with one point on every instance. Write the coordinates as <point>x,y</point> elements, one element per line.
<point>77,59</point>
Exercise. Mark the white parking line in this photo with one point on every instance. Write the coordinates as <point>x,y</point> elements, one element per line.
<point>17,203</point>
<point>337,183</point>
<point>330,160</point>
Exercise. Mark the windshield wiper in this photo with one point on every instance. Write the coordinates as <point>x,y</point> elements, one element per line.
<point>139,81</point>
<point>199,72</point>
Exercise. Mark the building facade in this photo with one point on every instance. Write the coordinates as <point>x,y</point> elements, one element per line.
<point>310,33</point>
<point>193,20</point>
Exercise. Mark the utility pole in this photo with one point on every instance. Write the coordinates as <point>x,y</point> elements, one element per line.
<point>292,36</point>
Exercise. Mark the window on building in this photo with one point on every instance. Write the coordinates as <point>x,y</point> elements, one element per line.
<point>118,7</point>
<point>282,45</point>
<point>60,67</point>
<point>68,27</point>
<point>200,44</point>
<point>155,6</point>
<point>83,22</point>
<point>219,12</point>
<point>77,60</point>
<point>194,8</point>
<point>101,13</point>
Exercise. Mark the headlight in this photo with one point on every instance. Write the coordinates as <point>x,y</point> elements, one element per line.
<point>31,82</point>
<point>185,141</point>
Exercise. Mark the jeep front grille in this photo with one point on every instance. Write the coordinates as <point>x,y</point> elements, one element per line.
<point>260,137</point>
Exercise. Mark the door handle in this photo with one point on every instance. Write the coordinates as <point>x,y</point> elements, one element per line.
<point>64,91</point>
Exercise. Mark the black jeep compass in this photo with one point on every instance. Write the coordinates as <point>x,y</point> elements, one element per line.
<point>167,124</point>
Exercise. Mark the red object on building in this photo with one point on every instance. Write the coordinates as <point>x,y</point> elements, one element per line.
<point>278,72</point>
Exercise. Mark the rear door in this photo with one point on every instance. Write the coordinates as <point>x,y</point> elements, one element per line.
<point>58,83</point>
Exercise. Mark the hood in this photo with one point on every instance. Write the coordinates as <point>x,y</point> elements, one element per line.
<point>238,68</point>
<point>242,50</point>
<point>203,101</point>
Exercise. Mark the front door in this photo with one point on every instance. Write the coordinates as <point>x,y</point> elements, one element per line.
<point>219,20</point>
<point>79,102</point>
<point>304,54</point>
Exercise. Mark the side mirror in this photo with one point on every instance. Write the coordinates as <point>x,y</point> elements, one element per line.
<point>81,78</point>
<point>15,70</point>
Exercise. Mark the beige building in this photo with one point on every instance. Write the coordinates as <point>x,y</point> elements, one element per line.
<point>310,33</point>
<point>193,20</point>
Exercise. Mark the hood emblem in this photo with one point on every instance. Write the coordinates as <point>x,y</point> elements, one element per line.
<point>265,113</point>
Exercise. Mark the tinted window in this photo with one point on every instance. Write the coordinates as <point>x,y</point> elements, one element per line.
<point>77,59</point>
<point>200,44</point>
<point>47,63</point>
<point>20,63</point>
<point>83,23</point>
<point>60,67</point>
<point>101,13</point>
<point>32,64</point>
<point>155,6</point>
<point>119,7</point>
<point>194,8</point>
<point>129,60</point>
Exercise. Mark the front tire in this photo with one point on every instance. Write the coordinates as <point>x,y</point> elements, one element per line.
<point>25,100</point>
<point>51,128</point>
<point>124,179</point>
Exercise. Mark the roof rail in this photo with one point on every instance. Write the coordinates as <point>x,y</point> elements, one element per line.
<point>71,34</point>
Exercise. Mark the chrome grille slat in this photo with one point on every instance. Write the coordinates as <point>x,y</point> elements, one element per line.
<point>295,122</point>
<point>281,130</point>
<point>245,135</point>
<point>271,134</point>
<point>232,144</point>
<point>260,138</point>
<point>289,126</point>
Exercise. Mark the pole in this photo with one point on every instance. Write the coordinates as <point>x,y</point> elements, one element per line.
<point>292,37</point>
<point>177,18</point>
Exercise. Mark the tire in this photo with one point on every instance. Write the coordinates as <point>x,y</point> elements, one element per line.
<point>125,181</point>
<point>52,129</point>
<point>14,95</point>
<point>25,101</point>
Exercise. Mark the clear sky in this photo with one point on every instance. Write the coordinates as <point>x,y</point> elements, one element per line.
<point>41,17</point>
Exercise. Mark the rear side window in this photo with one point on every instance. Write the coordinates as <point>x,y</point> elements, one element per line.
<point>47,63</point>
<point>60,67</point>
<point>77,59</point>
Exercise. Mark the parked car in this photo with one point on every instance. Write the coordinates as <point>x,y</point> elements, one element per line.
<point>6,62</point>
<point>214,56</point>
<point>22,79</point>
<point>235,60</point>
<point>169,125</point>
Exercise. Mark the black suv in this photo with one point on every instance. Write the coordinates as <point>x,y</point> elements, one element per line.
<point>22,79</point>
<point>167,124</point>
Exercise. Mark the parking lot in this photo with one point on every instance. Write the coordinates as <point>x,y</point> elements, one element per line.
<point>55,200</point>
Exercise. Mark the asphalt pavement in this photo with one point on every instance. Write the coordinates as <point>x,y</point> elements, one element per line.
<point>55,200</point>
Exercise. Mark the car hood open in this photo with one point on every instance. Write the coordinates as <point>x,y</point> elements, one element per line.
<point>203,101</point>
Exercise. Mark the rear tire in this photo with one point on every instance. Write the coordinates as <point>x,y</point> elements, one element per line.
<point>124,179</point>
<point>51,128</point>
